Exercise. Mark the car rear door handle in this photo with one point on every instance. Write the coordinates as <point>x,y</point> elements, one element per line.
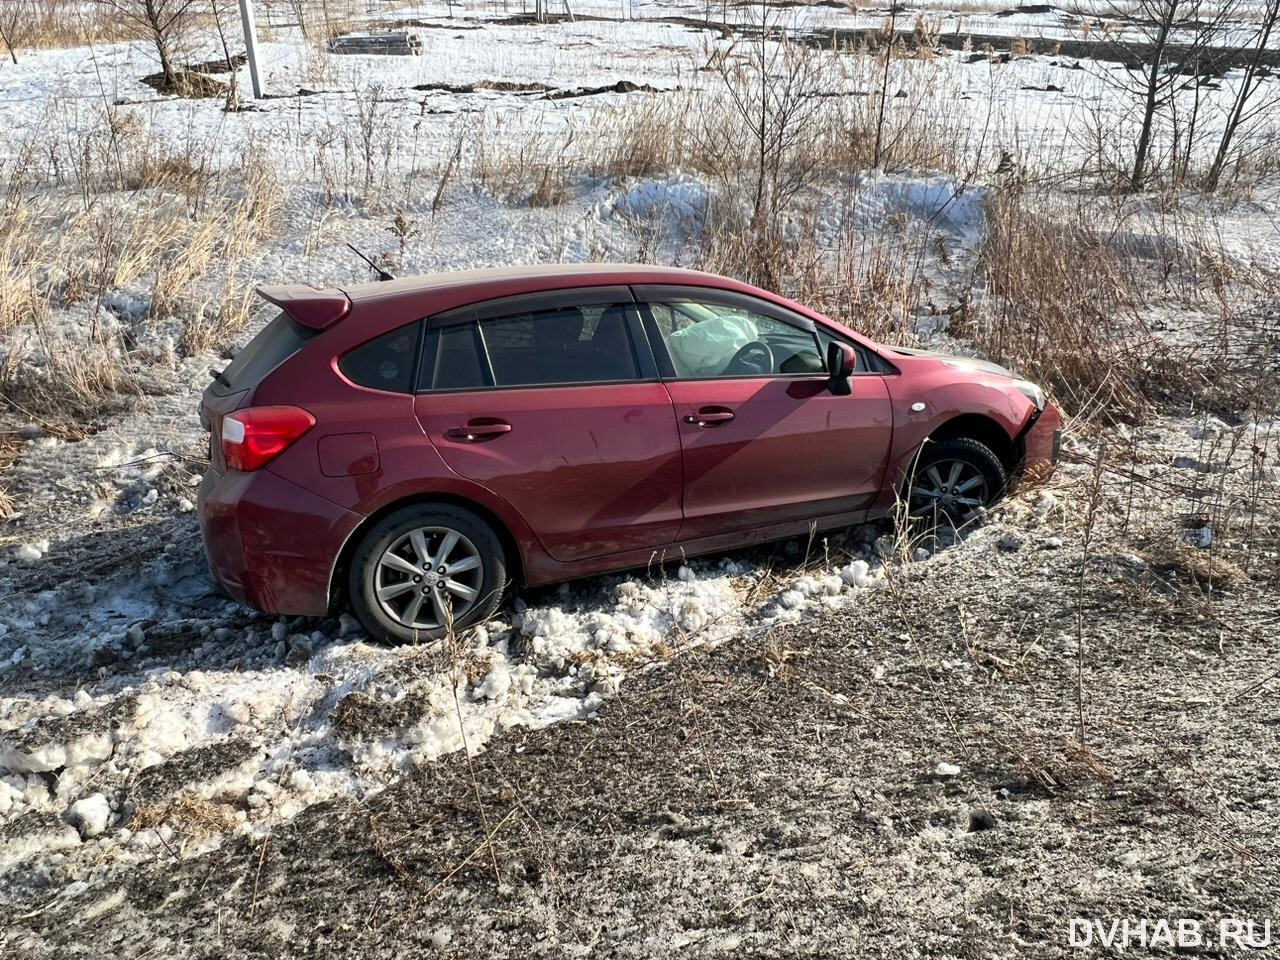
<point>478,430</point>
<point>709,416</point>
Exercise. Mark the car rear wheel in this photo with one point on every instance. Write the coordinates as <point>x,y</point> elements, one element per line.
<point>424,571</point>
<point>953,479</point>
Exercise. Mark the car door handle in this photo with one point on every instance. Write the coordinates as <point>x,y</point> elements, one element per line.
<point>479,430</point>
<point>709,417</point>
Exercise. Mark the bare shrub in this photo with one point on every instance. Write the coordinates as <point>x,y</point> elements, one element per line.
<point>163,23</point>
<point>16,18</point>
<point>775,90</point>
<point>809,134</point>
<point>1170,42</point>
<point>1250,102</point>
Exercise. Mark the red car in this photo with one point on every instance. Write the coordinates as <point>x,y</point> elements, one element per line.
<point>418,446</point>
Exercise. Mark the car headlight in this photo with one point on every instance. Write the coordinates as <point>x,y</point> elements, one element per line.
<point>1032,391</point>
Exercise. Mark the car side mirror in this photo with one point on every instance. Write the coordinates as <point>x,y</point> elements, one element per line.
<point>842,360</point>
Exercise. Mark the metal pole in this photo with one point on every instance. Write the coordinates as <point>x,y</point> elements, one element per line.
<point>251,45</point>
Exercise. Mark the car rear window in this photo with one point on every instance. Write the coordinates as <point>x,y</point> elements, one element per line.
<point>385,362</point>
<point>275,343</point>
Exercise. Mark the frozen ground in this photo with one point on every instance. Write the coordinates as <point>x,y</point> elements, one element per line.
<point>738,754</point>
<point>1040,107</point>
<point>884,779</point>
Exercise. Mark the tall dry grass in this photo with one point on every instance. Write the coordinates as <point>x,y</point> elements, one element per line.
<point>41,24</point>
<point>1072,292</point>
<point>140,251</point>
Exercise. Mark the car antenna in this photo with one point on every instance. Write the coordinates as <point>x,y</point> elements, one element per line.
<point>382,274</point>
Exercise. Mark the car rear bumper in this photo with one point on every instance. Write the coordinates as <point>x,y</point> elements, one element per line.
<point>1042,443</point>
<point>270,543</point>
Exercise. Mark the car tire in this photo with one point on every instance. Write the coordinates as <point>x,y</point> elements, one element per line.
<point>390,555</point>
<point>952,479</point>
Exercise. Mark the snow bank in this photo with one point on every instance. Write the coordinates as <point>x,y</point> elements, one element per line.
<point>260,721</point>
<point>680,200</point>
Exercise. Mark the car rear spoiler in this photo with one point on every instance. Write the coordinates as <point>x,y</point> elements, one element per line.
<point>310,306</point>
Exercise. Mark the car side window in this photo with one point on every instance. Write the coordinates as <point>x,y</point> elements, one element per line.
<point>572,344</point>
<point>705,340</point>
<point>453,359</point>
<point>385,362</point>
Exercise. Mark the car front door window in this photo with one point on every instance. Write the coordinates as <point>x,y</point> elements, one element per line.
<point>707,340</point>
<point>764,439</point>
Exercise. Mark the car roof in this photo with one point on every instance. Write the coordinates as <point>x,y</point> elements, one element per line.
<point>535,277</point>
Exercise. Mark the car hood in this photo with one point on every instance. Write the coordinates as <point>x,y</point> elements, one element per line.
<point>984,365</point>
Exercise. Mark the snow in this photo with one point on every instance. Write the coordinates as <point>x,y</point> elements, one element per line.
<point>680,199</point>
<point>554,660</point>
<point>90,815</point>
<point>31,552</point>
<point>856,574</point>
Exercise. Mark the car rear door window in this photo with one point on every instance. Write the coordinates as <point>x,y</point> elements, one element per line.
<point>706,340</point>
<point>569,344</point>
<point>453,359</point>
<point>385,362</point>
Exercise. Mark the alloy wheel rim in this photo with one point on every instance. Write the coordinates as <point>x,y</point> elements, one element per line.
<point>428,578</point>
<point>952,488</point>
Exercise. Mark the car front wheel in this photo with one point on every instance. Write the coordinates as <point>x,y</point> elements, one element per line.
<point>425,571</point>
<point>953,479</point>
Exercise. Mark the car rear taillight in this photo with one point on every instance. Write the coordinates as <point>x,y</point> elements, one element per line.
<point>253,437</point>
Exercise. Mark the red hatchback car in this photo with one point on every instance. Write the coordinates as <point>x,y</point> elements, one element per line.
<point>416,446</point>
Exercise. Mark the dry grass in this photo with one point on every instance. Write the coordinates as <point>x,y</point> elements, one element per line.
<point>20,298</point>
<point>51,379</point>
<point>193,817</point>
<point>698,130</point>
<point>9,448</point>
<point>33,24</point>
<point>1069,296</point>
<point>1194,567</point>
<point>123,269</point>
<point>822,116</point>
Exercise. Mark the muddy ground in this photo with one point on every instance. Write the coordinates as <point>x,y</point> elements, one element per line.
<point>782,795</point>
